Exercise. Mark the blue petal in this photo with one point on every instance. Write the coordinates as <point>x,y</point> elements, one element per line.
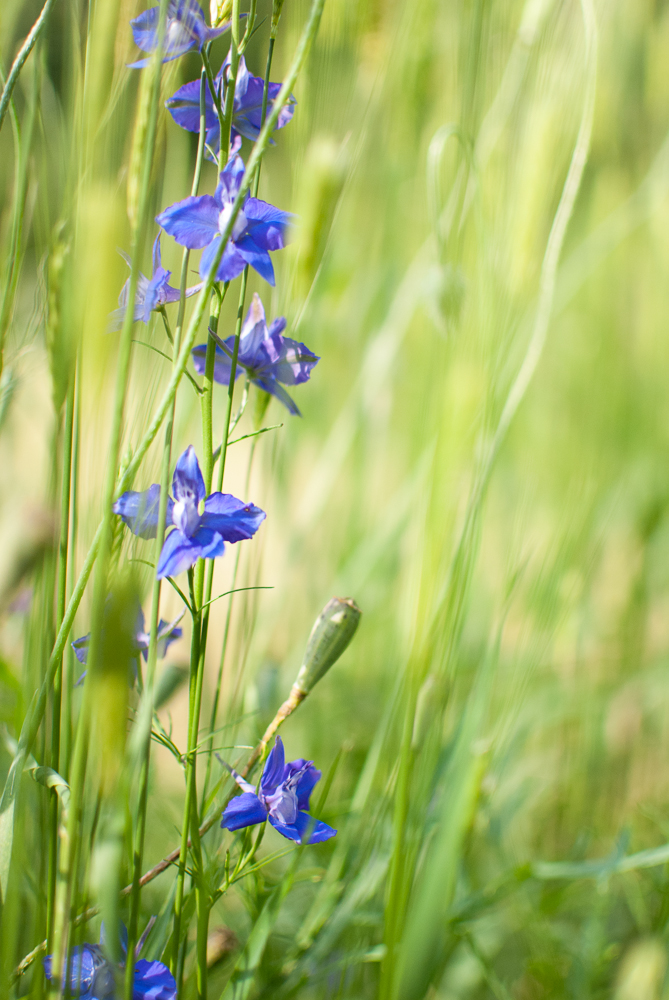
<point>140,510</point>
<point>277,326</point>
<point>178,554</point>
<point>306,782</point>
<point>184,106</point>
<point>254,331</point>
<point>222,364</point>
<point>274,388</point>
<point>187,482</point>
<point>295,360</point>
<point>232,518</point>
<point>145,29</point>
<point>305,829</point>
<point>166,638</point>
<point>266,224</point>
<point>156,258</point>
<point>211,542</point>
<point>82,966</point>
<point>192,222</point>
<point>244,810</point>
<point>181,552</point>
<point>155,292</point>
<point>258,258</point>
<point>272,774</point>
<point>80,647</point>
<point>153,981</point>
<point>231,265</point>
<point>230,180</point>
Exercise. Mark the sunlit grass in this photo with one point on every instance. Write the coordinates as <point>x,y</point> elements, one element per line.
<point>504,703</point>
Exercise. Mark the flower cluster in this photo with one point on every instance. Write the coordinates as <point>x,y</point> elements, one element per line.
<point>235,230</point>
<point>91,976</point>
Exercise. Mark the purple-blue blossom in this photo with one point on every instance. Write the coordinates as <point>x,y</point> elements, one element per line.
<point>201,525</point>
<point>185,29</point>
<point>168,632</point>
<point>91,975</point>
<point>247,120</point>
<point>198,222</point>
<point>265,356</point>
<point>282,798</point>
<point>152,293</point>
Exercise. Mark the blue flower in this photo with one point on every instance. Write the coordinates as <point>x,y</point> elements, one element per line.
<point>197,223</point>
<point>91,975</point>
<point>265,356</point>
<point>151,293</point>
<point>202,525</point>
<point>185,29</point>
<point>184,106</point>
<point>283,798</point>
<point>168,632</point>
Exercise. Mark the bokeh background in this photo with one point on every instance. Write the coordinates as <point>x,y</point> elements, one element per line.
<point>504,704</point>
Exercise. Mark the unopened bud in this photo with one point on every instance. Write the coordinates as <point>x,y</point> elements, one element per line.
<point>332,632</point>
<point>220,10</point>
<point>276,14</point>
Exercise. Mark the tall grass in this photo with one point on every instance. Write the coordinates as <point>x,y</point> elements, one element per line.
<point>482,193</point>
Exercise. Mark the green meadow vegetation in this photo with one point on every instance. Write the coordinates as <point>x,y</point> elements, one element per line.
<point>480,262</point>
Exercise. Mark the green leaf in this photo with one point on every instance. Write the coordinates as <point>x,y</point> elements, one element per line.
<point>243,975</point>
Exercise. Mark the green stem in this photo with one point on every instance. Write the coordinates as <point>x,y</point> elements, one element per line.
<point>61,594</point>
<point>67,669</point>
<point>177,965</point>
<point>231,83</point>
<point>23,54</point>
<point>144,737</point>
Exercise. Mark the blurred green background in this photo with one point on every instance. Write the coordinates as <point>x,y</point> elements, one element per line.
<point>505,700</point>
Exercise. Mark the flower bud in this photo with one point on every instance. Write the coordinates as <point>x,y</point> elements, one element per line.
<point>276,14</point>
<point>332,632</point>
<point>220,10</point>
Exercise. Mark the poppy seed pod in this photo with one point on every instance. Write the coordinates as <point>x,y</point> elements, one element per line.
<point>332,632</point>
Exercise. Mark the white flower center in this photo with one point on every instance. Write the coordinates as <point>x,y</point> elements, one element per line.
<point>185,516</point>
<point>283,805</point>
<point>240,225</point>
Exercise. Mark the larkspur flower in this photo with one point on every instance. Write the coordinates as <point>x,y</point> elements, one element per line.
<point>265,356</point>
<point>91,975</point>
<point>202,525</point>
<point>282,798</point>
<point>197,223</point>
<point>185,29</point>
<point>152,293</point>
<point>168,632</point>
<point>184,106</point>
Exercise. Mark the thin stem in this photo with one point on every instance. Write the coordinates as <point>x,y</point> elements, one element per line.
<point>61,594</point>
<point>144,722</point>
<point>68,659</point>
<point>224,647</point>
<point>177,964</point>
<point>23,54</point>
